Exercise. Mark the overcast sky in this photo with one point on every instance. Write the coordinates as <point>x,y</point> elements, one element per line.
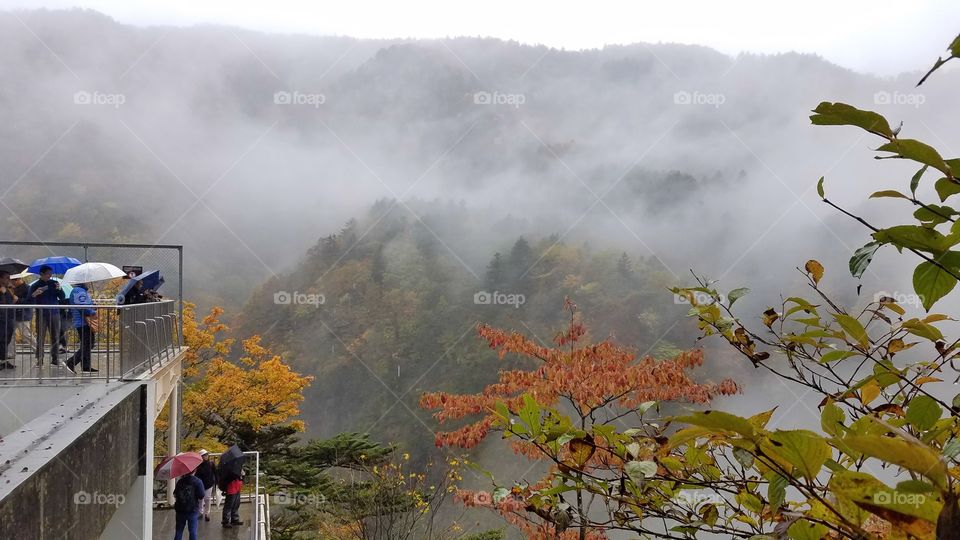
<point>880,36</point>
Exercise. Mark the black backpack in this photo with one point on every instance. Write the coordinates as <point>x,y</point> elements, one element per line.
<point>185,496</point>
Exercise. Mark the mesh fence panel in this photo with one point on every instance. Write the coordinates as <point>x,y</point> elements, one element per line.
<point>165,258</point>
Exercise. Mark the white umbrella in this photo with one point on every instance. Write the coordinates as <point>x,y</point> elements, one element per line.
<point>92,271</point>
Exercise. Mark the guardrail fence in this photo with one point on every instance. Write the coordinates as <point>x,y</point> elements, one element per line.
<point>128,340</point>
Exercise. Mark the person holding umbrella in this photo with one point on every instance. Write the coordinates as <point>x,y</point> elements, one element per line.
<point>47,292</point>
<point>85,323</point>
<point>7,318</point>
<point>187,492</point>
<point>231,482</point>
<point>22,315</point>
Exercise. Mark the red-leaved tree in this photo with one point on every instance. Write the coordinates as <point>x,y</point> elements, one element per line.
<point>602,383</point>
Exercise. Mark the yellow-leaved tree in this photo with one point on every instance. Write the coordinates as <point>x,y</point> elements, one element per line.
<point>253,401</point>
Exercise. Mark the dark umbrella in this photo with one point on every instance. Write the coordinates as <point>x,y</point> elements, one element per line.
<point>232,461</point>
<point>14,266</point>
<point>151,280</point>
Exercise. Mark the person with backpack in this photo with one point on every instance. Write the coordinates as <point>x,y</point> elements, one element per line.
<point>187,494</point>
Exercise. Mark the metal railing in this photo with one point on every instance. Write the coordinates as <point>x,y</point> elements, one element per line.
<point>127,341</point>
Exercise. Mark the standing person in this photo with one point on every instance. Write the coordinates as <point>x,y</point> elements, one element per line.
<point>7,318</point>
<point>47,292</point>
<point>85,322</point>
<point>207,473</point>
<point>231,507</point>
<point>187,494</point>
<point>22,316</point>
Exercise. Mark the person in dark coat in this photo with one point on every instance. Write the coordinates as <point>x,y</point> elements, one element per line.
<point>207,473</point>
<point>46,291</point>
<point>8,321</point>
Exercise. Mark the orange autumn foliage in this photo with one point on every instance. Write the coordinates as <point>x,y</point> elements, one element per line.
<point>589,376</point>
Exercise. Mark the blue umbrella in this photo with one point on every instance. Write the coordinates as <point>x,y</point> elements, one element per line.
<point>59,264</point>
<point>151,280</point>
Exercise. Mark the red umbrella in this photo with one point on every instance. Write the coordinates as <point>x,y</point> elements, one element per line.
<point>178,465</point>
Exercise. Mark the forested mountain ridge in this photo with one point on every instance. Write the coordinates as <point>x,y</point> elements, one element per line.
<point>384,310</point>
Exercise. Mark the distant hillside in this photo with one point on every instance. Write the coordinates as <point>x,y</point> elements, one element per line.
<point>392,313</point>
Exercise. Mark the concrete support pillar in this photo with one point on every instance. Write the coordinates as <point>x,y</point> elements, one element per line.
<point>173,433</point>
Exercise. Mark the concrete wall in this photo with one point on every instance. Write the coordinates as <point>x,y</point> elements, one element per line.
<point>72,484</point>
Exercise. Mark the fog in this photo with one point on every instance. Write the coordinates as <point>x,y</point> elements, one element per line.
<point>248,147</point>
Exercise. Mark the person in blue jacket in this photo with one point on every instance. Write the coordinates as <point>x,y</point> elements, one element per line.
<point>47,292</point>
<point>85,322</point>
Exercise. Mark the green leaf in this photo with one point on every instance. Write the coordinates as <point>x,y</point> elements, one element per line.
<point>639,471</point>
<point>776,490</point>
<point>719,420</point>
<point>906,454</point>
<point>820,187</point>
<point>946,188</point>
<point>888,193</point>
<point>500,494</point>
<point>917,151</point>
<point>841,114</point>
<point>952,448</point>
<point>915,181</point>
<point>743,457</point>
<point>853,328</point>
<point>806,530</point>
<point>833,356</point>
<point>913,237</point>
<point>805,450</point>
<point>932,283</point>
<point>832,419</point>
<point>923,412</point>
<point>934,214</point>
<point>922,329</point>
<point>861,259</point>
<point>736,294</point>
